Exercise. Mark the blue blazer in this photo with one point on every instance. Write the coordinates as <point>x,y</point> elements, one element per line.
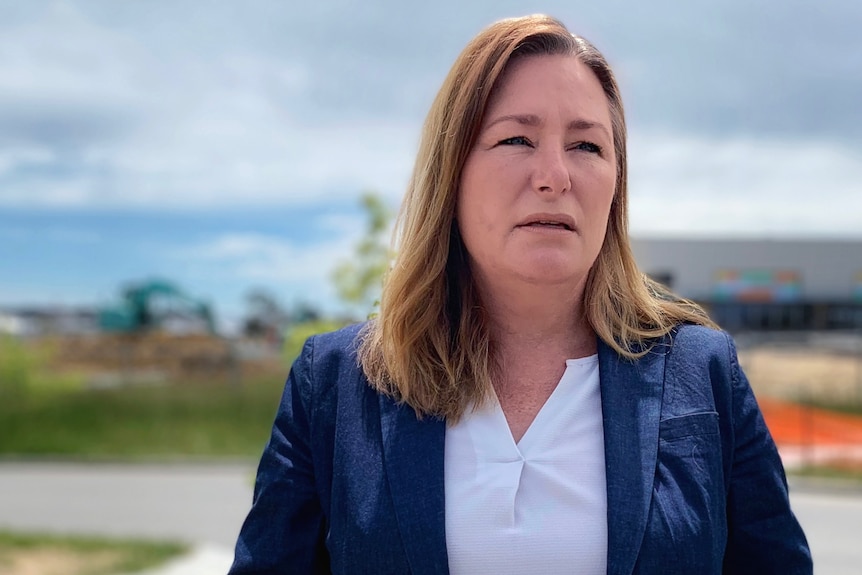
<point>352,482</point>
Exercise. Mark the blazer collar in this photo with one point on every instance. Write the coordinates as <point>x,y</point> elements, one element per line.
<point>413,454</point>
<point>631,406</point>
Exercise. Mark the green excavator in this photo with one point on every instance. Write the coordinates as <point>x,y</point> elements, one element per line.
<point>148,305</point>
<point>154,333</point>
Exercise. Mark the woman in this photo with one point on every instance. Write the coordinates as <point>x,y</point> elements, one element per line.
<point>526,401</point>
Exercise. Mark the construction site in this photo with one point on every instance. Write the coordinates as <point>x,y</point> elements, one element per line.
<point>153,333</point>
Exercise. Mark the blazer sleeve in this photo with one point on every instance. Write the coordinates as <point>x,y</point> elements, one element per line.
<point>764,536</point>
<point>285,530</point>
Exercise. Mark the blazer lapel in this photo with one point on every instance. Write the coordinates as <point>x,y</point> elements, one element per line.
<point>413,453</point>
<point>631,407</point>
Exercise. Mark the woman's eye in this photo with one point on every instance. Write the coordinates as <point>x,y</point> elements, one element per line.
<point>515,141</point>
<point>588,147</point>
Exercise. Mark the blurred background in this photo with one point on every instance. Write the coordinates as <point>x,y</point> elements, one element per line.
<point>190,189</point>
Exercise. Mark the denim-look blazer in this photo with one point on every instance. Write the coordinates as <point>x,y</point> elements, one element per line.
<point>352,482</point>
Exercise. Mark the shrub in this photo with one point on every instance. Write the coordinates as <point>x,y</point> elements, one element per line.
<point>17,365</point>
<point>299,332</point>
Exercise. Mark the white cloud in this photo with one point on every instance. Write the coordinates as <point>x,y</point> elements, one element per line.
<point>25,156</point>
<point>99,111</point>
<point>90,117</point>
<point>260,159</point>
<point>260,257</point>
<point>303,270</point>
<point>743,187</point>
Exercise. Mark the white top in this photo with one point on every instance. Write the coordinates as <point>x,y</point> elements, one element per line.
<point>536,507</point>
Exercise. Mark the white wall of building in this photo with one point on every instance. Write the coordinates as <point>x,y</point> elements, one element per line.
<point>829,270</point>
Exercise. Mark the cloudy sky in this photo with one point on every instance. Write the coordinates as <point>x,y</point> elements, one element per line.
<point>224,145</point>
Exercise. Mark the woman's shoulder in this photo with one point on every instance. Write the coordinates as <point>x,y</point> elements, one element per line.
<point>699,340</point>
<point>693,334</point>
<point>700,349</point>
<point>334,350</point>
<point>698,353</point>
<point>328,360</point>
<point>341,341</point>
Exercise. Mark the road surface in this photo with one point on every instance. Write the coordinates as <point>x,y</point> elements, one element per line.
<point>204,504</point>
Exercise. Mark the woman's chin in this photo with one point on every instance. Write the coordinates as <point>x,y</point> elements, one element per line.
<point>550,273</point>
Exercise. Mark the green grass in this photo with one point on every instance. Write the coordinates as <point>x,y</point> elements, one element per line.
<point>166,421</point>
<point>56,415</point>
<point>129,555</point>
<point>17,364</point>
<point>830,472</point>
<point>849,407</point>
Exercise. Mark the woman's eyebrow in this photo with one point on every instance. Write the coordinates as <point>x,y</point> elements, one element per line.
<point>578,124</point>
<point>523,119</point>
<point>582,125</point>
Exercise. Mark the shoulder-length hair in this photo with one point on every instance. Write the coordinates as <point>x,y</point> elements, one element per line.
<point>430,345</point>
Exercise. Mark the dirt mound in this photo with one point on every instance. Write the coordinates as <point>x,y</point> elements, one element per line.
<point>803,374</point>
<point>193,354</point>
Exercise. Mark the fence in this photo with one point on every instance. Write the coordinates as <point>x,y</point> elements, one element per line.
<point>809,386</point>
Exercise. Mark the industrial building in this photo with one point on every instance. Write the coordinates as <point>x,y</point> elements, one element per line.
<point>747,284</point>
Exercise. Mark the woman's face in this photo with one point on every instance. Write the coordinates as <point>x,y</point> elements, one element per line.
<point>536,189</point>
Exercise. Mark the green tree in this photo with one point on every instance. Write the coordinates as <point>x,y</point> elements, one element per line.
<point>266,316</point>
<point>359,279</point>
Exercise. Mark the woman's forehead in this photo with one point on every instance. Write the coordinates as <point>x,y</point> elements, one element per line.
<point>532,85</point>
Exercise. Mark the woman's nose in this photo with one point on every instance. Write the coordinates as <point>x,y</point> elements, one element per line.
<point>550,173</point>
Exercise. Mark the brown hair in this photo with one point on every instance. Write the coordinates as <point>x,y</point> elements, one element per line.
<point>430,346</point>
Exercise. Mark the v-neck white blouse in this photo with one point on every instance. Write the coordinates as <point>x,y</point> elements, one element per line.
<point>538,506</point>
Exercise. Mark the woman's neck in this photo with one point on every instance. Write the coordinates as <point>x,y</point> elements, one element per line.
<point>544,321</point>
<point>535,329</point>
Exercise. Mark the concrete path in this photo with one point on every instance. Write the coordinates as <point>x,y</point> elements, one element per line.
<point>186,502</point>
<point>205,505</point>
<point>832,520</point>
<point>204,559</point>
